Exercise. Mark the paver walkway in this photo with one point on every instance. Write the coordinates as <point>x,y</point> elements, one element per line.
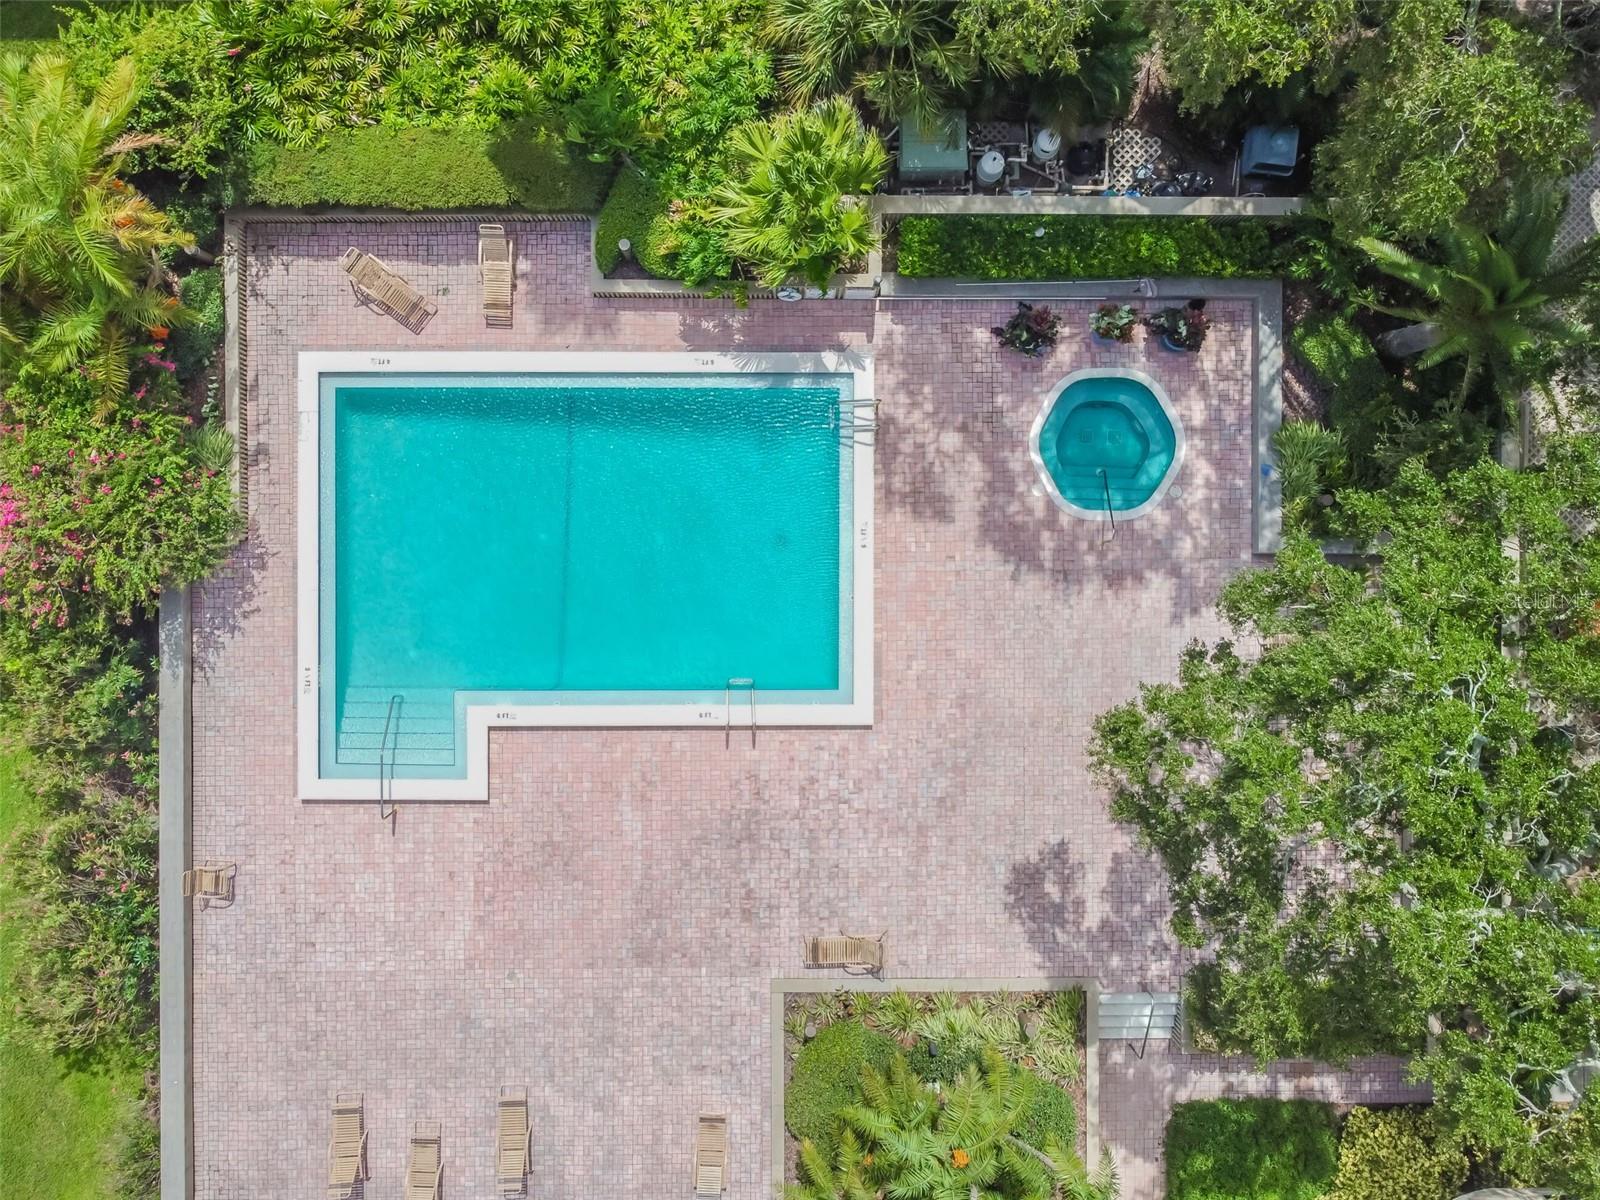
<point>605,930</point>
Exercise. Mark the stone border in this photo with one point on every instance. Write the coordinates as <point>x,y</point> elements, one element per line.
<point>782,987</point>
<point>1044,204</point>
<point>176,917</point>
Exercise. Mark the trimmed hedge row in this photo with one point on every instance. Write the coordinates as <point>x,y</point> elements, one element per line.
<point>1087,248</point>
<point>520,165</point>
<point>636,209</point>
<point>827,1077</point>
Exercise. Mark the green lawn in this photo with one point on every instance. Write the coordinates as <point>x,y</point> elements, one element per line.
<point>58,1122</point>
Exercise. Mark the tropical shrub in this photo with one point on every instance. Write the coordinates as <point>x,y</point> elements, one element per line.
<point>1114,322</point>
<point>1030,330</point>
<point>1495,299</point>
<point>827,1077</point>
<point>522,165</point>
<point>637,210</point>
<point>1181,328</point>
<point>794,206</point>
<point>1048,1112</point>
<point>1341,357</point>
<point>1396,1154</point>
<point>1085,248</point>
<point>195,344</point>
<point>1250,1150</point>
<point>77,243</point>
<point>187,95</point>
<point>1311,458</point>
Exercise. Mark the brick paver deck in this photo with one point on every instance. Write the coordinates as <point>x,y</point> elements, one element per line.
<point>605,930</point>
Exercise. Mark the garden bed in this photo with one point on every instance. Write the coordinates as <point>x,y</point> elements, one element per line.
<point>1036,1037</point>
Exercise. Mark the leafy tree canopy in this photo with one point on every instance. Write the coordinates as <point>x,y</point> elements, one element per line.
<point>1214,45</point>
<point>1389,817</point>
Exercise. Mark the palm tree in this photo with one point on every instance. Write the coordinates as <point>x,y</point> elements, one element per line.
<point>795,207</point>
<point>903,56</point>
<point>962,1144</point>
<point>78,262</point>
<point>1494,297</point>
<point>847,1177</point>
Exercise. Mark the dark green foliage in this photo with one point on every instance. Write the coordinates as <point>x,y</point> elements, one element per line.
<point>194,344</point>
<point>945,1065</point>
<point>827,1077</point>
<point>139,1156</point>
<point>1085,248</point>
<point>1341,356</point>
<point>1250,1150</point>
<point>1396,1154</point>
<point>521,165</point>
<point>636,209</point>
<point>1048,1112</point>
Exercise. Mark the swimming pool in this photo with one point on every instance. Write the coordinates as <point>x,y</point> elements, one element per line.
<point>574,539</point>
<point>1107,443</point>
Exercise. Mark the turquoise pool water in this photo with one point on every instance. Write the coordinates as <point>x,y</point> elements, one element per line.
<point>573,539</point>
<point>1107,434</point>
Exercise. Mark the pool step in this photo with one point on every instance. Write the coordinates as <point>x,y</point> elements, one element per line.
<point>422,733</point>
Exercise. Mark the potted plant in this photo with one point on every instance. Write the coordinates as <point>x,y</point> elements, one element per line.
<point>1031,330</point>
<point>1180,328</point>
<point>1114,322</point>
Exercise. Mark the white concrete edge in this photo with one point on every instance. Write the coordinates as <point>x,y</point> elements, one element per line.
<point>1063,204</point>
<point>830,982</point>
<point>175,853</point>
<point>1043,472</point>
<point>480,718</point>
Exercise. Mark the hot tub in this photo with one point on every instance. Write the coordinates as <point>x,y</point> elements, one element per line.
<point>1106,443</point>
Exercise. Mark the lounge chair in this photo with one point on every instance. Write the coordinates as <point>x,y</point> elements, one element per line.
<point>377,283</point>
<point>848,951</point>
<point>211,884</point>
<point>494,271</point>
<point>515,1142</point>
<point>425,1171</point>
<point>711,1156</point>
<point>347,1151</point>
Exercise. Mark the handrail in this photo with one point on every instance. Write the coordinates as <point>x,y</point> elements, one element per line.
<point>386,793</point>
<point>1149,1023</point>
<point>727,709</point>
<point>1110,512</point>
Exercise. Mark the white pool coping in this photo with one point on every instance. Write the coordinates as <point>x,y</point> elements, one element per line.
<point>1048,480</point>
<point>856,712</point>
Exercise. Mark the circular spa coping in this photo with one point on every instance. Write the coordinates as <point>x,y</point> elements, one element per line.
<point>1106,429</point>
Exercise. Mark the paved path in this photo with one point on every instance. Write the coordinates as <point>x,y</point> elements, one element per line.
<point>605,930</point>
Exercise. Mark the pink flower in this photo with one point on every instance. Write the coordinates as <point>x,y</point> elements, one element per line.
<point>156,480</point>
<point>72,454</point>
<point>105,489</point>
<point>234,51</point>
<point>35,469</point>
<point>124,886</point>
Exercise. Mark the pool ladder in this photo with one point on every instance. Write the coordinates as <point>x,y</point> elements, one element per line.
<point>727,710</point>
<point>1111,514</point>
<point>386,805</point>
<point>856,419</point>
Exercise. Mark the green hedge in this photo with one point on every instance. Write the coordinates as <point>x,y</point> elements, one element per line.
<point>514,166</point>
<point>1086,247</point>
<point>1396,1154</point>
<point>1339,355</point>
<point>1048,1112</point>
<point>636,209</point>
<point>1250,1150</point>
<point>827,1077</point>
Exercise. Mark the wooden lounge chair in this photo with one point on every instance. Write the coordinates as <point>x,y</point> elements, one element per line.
<point>848,951</point>
<point>377,283</point>
<point>711,1156</point>
<point>494,272</point>
<point>211,884</point>
<point>425,1171</point>
<point>515,1142</point>
<point>347,1151</point>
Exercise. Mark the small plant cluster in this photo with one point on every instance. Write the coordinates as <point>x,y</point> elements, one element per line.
<point>1038,1030</point>
<point>1114,322</point>
<point>1180,328</point>
<point>1030,330</point>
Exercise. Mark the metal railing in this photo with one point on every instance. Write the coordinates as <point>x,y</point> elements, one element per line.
<point>386,763</point>
<point>1149,1024</point>
<point>1111,514</point>
<point>727,710</point>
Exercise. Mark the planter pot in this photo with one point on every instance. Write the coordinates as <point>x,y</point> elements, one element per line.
<point>1166,340</point>
<point>1103,340</point>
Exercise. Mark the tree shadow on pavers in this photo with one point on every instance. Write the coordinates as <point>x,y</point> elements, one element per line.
<point>1127,947</point>
<point>226,598</point>
<point>955,421</point>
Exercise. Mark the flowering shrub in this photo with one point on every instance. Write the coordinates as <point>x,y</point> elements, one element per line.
<point>1030,330</point>
<point>97,510</point>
